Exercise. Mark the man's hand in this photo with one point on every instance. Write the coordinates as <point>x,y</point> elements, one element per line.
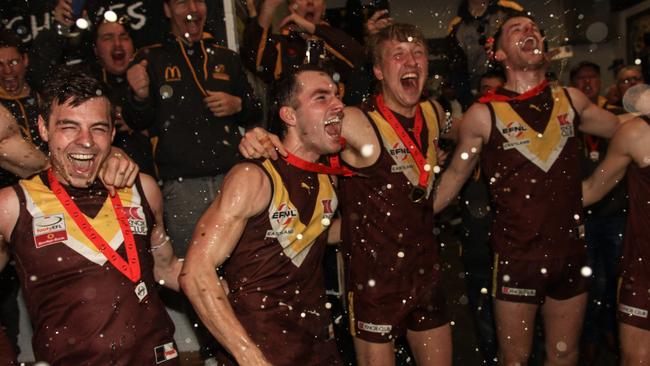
<point>118,171</point>
<point>258,143</point>
<point>138,79</point>
<point>377,22</point>
<point>298,23</point>
<point>222,104</point>
<point>63,13</point>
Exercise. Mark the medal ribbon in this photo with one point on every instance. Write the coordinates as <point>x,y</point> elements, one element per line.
<point>130,269</point>
<point>492,96</point>
<point>406,139</point>
<point>335,169</point>
<point>592,143</point>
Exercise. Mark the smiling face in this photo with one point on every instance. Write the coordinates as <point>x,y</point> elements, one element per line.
<point>187,18</point>
<point>13,66</point>
<point>79,139</point>
<point>402,70</point>
<point>520,44</point>
<point>113,47</point>
<point>311,10</point>
<point>316,113</point>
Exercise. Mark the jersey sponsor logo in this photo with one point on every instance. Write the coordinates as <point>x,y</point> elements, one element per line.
<point>566,127</point>
<point>374,328</point>
<point>399,151</point>
<point>513,291</point>
<point>219,72</point>
<point>49,230</point>
<point>284,215</point>
<point>165,352</point>
<point>276,234</point>
<point>512,145</point>
<point>137,220</point>
<point>172,73</point>
<point>632,311</point>
<point>514,130</point>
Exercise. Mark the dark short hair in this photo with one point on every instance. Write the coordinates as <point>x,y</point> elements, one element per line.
<point>9,40</point>
<point>70,86</point>
<point>581,65</point>
<point>495,72</point>
<point>400,32</point>
<point>283,93</point>
<point>122,19</point>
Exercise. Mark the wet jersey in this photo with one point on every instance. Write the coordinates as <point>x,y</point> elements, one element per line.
<point>387,238</point>
<point>275,272</point>
<point>532,164</point>
<point>84,310</point>
<point>636,241</point>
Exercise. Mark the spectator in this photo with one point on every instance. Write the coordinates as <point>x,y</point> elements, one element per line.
<point>604,227</point>
<point>304,38</point>
<point>468,33</point>
<point>627,77</point>
<point>193,96</point>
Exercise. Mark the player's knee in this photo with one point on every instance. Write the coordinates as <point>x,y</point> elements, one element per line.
<point>560,353</point>
<point>635,356</point>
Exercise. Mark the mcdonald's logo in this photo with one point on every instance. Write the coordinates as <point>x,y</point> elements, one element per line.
<point>172,73</point>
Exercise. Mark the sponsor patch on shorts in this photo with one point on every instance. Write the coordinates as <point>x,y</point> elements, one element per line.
<point>632,311</point>
<point>165,352</point>
<point>374,328</point>
<point>513,291</point>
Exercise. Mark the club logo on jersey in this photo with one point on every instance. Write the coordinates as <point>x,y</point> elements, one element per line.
<point>284,214</point>
<point>399,151</point>
<point>137,220</point>
<point>49,230</point>
<point>165,352</point>
<point>172,73</point>
<point>219,72</point>
<point>328,212</point>
<point>514,133</point>
<point>566,127</point>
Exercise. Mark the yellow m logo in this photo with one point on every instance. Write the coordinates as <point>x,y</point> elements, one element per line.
<point>172,73</point>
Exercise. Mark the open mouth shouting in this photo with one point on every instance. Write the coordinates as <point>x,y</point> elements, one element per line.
<point>193,26</point>
<point>81,163</point>
<point>333,127</point>
<point>10,84</point>
<point>409,81</point>
<point>530,44</point>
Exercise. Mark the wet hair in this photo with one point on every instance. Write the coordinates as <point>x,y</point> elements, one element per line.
<point>283,93</point>
<point>9,40</point>
<point>583,64</point>
<point>400,32</point>
<point>70,86</point>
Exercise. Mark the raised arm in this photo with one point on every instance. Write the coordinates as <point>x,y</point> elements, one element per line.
<point>593,119</point>
<point>167,267</point>
<point>17,155</point>
<point>9,209</point>
<point>620,154</point>
<point>474,131</point>
<point>245,193</point>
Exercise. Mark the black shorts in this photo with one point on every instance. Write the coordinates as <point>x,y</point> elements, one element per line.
<point>634,300</point>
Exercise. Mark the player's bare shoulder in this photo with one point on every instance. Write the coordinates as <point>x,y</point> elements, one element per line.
<point>363,146</point>
<point>9,211</point>
<point>477,122</point>
<point>633,137</point>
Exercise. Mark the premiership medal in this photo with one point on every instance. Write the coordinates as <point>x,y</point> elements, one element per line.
<point>417,194</point>
<point>141,291</point>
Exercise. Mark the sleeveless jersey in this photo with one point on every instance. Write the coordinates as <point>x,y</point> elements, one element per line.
<point>532,164</point>
<point>85,311</point>
<point>388,239</point>
<point>636,241</point>
<point>275,273</point>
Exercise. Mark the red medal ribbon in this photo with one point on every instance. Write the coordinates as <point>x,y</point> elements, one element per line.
<point>423,181</point>
<point>492,95</point>
<point>592,142</point>
<point>130,269</point>
<point>335,169</point>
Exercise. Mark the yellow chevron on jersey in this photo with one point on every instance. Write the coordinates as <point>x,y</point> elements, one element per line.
<point>541,148</point>
<point>41,203</point>
<point>295,237</point>
<point>404,161</point>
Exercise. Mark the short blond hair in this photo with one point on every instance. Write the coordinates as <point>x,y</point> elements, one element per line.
<point>400,32</point>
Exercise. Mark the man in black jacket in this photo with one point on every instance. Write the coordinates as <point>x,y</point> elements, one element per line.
<point>193,96</point>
